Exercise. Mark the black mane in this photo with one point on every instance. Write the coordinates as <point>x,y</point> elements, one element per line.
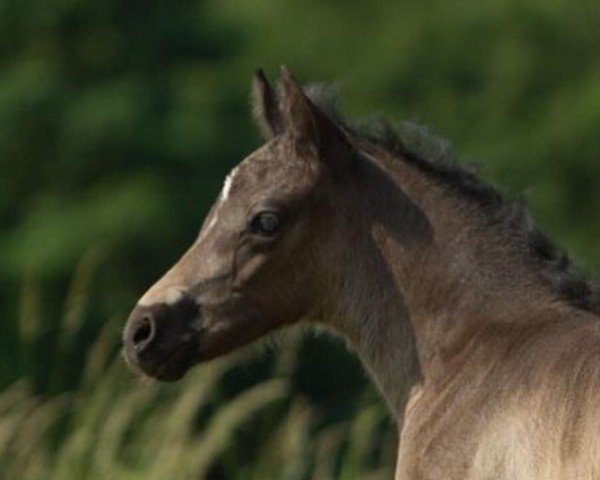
<point>435,158</point>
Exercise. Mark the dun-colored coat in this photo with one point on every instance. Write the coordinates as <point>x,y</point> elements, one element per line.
<point>481,338</point>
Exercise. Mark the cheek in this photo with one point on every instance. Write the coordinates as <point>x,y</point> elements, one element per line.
<point>247,267</point>
<point>256,271</point>
<point>278,285</point>
<point>286,292</point>
<point>278,278</point>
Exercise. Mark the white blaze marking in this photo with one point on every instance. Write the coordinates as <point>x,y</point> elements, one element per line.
<point>153,296</point>
<point>174,294</point>
<point>212,223</point>
<point>147,299</point>
<point>227,185</point>
<point>222,199</point>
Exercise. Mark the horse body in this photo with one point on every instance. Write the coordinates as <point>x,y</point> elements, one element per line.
<point>524,410</point>
<point>480,337</point>
<point>508,375</point>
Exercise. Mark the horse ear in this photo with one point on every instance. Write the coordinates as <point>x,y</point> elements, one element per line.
<point>303,120</point>
<point>298,111</point>
<point>265,107</point>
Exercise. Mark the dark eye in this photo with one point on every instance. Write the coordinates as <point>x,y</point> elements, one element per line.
<point>266,224</point>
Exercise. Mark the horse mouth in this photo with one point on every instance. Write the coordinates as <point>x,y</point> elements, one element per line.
<point>171,366</point>
<point>172,354</point>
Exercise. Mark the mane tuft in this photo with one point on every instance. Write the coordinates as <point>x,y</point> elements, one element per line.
<point>435,157</point>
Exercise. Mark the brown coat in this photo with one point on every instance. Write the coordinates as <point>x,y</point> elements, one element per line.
<point>482,339</point>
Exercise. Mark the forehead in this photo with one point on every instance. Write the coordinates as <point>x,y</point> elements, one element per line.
<point>275,167</point>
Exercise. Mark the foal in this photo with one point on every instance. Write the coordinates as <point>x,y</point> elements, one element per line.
<point>484,343</point>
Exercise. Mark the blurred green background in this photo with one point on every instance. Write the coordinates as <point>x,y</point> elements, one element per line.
<point>118,122</point>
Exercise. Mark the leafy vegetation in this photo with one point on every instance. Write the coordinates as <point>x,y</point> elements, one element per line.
<point>116,425</point>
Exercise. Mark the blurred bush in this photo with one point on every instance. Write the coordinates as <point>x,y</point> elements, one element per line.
<point>115,425</point>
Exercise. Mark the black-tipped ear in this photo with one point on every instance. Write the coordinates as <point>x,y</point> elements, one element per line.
<point>303,120</point>
<point>265,107</point>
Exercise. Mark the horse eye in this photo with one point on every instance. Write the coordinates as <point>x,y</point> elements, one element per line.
<point>266,223</point>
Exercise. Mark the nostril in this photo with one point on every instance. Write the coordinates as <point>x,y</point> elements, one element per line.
<point>144,332</point>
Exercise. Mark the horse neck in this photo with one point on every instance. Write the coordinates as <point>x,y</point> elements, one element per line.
<point>423,278</point>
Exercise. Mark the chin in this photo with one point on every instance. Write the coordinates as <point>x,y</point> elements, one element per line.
<point>171,368</point>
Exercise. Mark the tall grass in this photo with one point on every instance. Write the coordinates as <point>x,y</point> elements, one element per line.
<point>115,425</point>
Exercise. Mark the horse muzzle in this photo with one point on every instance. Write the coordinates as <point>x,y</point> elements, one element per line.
<point>161,340</point>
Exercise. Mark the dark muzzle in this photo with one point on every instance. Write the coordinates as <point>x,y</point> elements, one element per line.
<point>161,339</point>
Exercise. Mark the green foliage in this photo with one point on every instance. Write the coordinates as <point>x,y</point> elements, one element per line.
<point>116,425</point>
<point>118,122</point>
